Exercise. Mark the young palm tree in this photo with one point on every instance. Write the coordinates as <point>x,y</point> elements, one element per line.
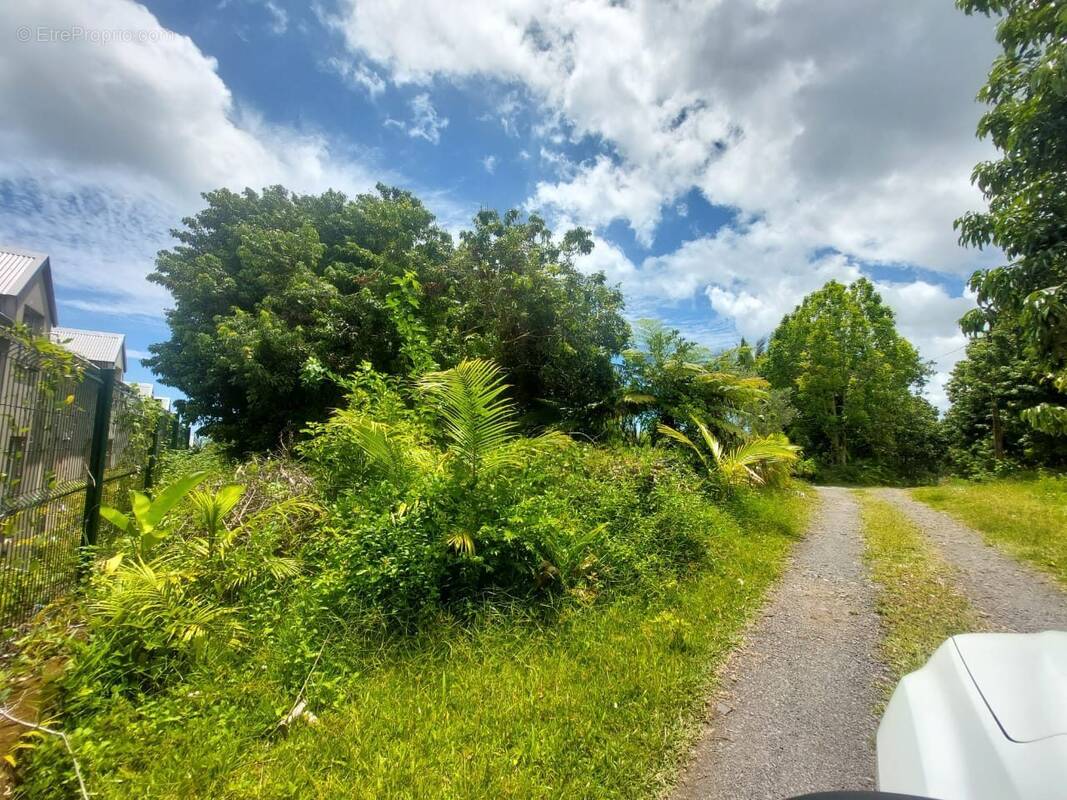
<point>479,428</point>
<point>479,422</point>
<point>748,463</point>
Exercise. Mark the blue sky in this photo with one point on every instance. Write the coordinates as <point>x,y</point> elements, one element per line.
<point>730,156</point>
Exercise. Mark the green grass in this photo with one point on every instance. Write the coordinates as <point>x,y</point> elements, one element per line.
<point>598,704</point>
<point>1026,517</point>
<point>918,600</point>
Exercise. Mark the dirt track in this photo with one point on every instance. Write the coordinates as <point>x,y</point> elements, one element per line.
<point>796,713</point>
<point>1011,596</point>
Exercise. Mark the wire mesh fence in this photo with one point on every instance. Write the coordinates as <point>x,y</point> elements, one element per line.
<point>52,408</point>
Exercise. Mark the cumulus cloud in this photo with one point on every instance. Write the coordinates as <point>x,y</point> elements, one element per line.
<point>841,132</point>
<point>850,121</point>
<point>108,143</point>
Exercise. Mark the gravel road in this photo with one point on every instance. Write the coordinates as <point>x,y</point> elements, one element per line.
<point>1011,596</point>
<point>796,712</point>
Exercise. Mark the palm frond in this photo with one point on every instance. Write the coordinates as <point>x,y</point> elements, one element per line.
<point>290,510</point>
<point>478,420</point>
<point>712,443</point>
<point>638,399</point>
<point>681,438</point>
<point>461,542</point>
<point>749,462</point>
<point>212,507</point>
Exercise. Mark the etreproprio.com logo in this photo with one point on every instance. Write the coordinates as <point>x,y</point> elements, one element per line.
<point>79,33</point>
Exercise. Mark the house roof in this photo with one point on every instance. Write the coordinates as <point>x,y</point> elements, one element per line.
<point>18,268</point>
<point>103,349</point>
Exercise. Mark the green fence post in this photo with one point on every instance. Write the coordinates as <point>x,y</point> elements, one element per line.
<point>94,490</point>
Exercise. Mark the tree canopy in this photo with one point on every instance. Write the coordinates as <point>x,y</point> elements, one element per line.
<point>519,300</point>
<point>1026,194</point>
<point>990,390</point>
<point>853,379</point>
<point>277,294</point>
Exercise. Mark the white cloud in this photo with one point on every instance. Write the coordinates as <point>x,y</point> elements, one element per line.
<point>849,121</point>
<point>356,75</point>
<point>489,162</point>
<point>109,143</point>
<point>425,123</point>
<point>279,18</point>
<point>842,133</point>
<point>506,112</point>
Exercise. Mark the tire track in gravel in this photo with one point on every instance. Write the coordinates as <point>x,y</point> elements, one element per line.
<point>796,711</point>
<point>1009,595</point>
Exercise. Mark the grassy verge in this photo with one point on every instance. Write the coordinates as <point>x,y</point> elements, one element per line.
<point>1026,517</point>
<point>596,704</point>
<point>918,601</point>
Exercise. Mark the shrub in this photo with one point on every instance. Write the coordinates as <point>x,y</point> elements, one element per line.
<point>582,522</point>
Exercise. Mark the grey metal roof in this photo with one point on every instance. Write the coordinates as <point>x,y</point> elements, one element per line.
<point>103,349</point>
<point>19,267</point>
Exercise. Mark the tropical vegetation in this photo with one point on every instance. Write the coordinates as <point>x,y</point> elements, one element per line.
<point>854,382</point>
<point>1016,414</point>
<point>462,530</point>
<point>277,294</point>
<point>247,612</point>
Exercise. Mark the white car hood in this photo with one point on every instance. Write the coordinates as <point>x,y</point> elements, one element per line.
<point>1022,679</point>
<point>984,719</point>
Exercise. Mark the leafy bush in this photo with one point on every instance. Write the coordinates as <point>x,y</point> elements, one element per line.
<point>464,509</point>
<point>172,594</point>
<point>418,508</point>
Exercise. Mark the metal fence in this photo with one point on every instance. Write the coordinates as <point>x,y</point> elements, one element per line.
<point>69,440</point>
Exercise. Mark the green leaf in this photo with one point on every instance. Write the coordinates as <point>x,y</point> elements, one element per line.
<point>115,517</point>
<point>228,497</point>
<point>141,506</point>
<point>149,540</point>
<point>170,497</point>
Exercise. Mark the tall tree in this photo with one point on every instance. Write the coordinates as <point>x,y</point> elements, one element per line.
<point>852,376</point>
<point>272,291</point>
<point>276,294</point>
<point>990,389</point>
<point>1026,192</point>
<point>555,331</point>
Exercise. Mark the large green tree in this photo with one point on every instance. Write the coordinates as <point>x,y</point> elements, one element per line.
<point>273,291</point>
<point>1026,192</point>
<point>276,295</point>
<point>520,301</point>
<point>990,390</point>
<point>853,379</point>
